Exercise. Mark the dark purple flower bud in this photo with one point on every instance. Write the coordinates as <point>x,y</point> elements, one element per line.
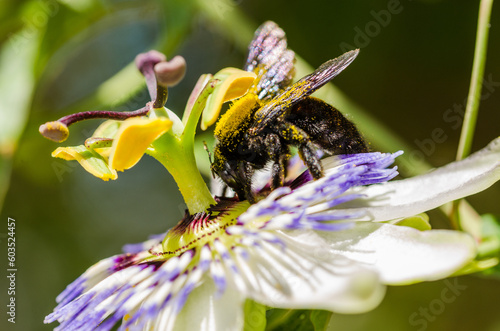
<point>172,72</point>
<point>146,61</point>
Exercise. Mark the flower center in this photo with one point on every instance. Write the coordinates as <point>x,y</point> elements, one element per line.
<point>201,228</point>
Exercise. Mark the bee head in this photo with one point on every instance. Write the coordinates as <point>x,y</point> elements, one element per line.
<point>226,170</point>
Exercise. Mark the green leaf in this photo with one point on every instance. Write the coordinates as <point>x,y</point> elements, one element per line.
<point>17,82</point>
<point>255,316</point>
<point>419,222</point>
<point>297,320</point>
<point>289,320</point>
<point>477,266</point>
<point>491,226</point>
<point>80,5</point>
<point>490,239</point>
<point>320,319</point>
<point>488,249</point>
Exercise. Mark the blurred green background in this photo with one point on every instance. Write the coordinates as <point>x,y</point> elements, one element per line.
<point>412,74</point>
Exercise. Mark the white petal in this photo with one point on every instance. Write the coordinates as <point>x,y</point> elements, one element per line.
<point>403,198</point>
<point>403,255</point>
<point>203,312</point>
<point>306,276</point>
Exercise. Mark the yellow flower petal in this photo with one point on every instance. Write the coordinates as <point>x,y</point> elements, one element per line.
<point>133,138</point>
<point>90,160</point>
<point>235,83</point>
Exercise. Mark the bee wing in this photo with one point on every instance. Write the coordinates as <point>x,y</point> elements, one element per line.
<point>271,60</point>
<point>303,88</point>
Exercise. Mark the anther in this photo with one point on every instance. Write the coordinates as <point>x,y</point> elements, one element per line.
<point>55,131</point>
<point>168,73</point>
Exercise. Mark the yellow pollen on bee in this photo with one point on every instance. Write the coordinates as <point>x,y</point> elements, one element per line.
<point>240,112</point>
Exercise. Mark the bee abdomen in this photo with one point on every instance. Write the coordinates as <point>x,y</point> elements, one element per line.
<point>326,127</point>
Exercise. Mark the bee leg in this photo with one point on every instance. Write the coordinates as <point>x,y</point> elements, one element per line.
<point>278,172</point>
<point>307,154</point>
<point>294,135</point>
<point>278,155</point>
<point>246,172</point>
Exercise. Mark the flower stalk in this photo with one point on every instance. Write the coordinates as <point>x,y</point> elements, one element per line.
<point>473,100</point>
<point>476,83</point>
<point>181,164</point>
<point>175,152</point>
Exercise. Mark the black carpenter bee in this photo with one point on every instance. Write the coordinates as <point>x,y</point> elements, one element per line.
<point>261,126</point>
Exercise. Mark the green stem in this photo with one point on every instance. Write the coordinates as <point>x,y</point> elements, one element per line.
<point>474,97</point>
<point>179,160</point>
<point>175,150</point>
